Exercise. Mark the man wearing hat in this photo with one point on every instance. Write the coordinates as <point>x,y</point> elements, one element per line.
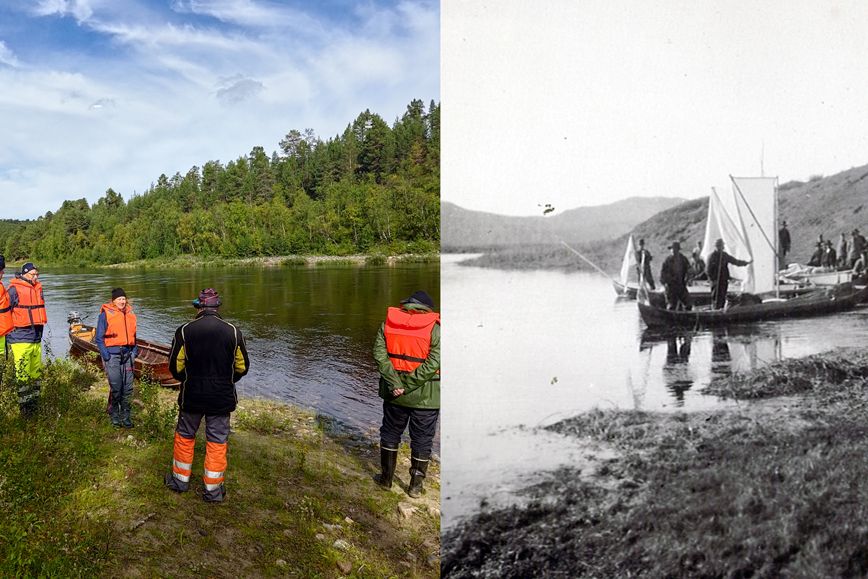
<point>208,356</point>
<point>5,311</point>
<point>718,273</point>
<point>116,340</point>
<point>674,275</point>
<point>25,339</point>
<point>407,352</point>
<point>857,245</point>
<point>784,242</point>
<point>643,264</point>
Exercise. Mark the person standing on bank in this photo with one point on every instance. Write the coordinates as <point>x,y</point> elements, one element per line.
<point>25,339</point>
<point>208,356</point>
<point>643,264</point>
<point>674,274</point>
<point>784,241</point>
<point>5,311</point>
<point>407,352</point>
<point>116,340</point>
<point>718,273</point>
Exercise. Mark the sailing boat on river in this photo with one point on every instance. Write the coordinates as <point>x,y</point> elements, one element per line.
<point>747,222</point>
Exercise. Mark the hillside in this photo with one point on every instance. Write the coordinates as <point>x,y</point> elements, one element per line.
<point>465,230</point>
<point>828,205</point>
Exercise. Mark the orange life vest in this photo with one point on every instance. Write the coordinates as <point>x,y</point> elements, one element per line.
<point>5,312</point>
<point>408,337</point>
<point>30,310</point>
<point>120,325</point>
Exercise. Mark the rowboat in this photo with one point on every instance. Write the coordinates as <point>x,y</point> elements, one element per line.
<point>817,302</point>
<point>815,276</point>
<point>152,361</point>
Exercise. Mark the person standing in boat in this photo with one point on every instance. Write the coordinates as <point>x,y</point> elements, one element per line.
<point>829,260</point>
<point>784,241</point>
<point>674,275</point>
<point>643,264</point>
<point>25,340</point>
<point>407,352</point>
<point>697,264</point>
<point>857,245</point>
<point>717,270</point>
<point>842,252</point>
<point>116,340</point>
<point>208,356</point>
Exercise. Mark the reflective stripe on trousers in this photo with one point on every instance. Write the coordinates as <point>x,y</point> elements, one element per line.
<point>217,437</point>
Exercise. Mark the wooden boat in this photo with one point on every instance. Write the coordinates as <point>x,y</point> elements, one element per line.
<point>152,361</point>
<point>817,302</point>
<point>806,275</point>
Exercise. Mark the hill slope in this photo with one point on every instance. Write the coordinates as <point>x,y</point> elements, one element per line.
<point>465,230</point>
<point>830,205</point>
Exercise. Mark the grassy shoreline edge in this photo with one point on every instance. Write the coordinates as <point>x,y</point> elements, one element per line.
<point>773,487</point>
<point>81,499</point>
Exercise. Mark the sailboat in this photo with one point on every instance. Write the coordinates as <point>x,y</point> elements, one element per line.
<point>623,286</point>
<point>747,222</point>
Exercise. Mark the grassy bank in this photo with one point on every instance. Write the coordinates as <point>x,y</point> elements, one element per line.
<point>80,499</point>
<point>767,489</point>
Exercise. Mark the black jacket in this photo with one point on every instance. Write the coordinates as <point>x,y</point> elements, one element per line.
<point>208,356</point>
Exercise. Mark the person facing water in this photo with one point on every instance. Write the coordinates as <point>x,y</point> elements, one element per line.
<point>407,352</point>
<point>208,356</point>
<point>116,340</point>
<point>717,270</point>
<point>5,311</point>
<point>25,340</point>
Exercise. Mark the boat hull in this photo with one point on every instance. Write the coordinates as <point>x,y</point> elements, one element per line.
<point>817,302</point>
<point>151,363</point>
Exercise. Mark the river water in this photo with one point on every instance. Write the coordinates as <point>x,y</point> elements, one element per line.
<point>309,330</point>
<point>524,349</point>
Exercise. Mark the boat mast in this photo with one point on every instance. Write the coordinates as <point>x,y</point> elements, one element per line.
<point>777,244</point>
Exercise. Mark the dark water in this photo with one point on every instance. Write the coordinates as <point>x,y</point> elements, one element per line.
<point>309,330</point>
<point>529,348</point>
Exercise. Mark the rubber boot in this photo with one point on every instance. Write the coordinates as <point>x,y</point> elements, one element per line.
<point>418,468</point>
<point>124,414</point>
<point>388,462</point>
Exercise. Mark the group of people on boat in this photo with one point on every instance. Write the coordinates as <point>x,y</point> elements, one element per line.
<point>847,254</point>
<point>208,356</point>
<point>677,272</point>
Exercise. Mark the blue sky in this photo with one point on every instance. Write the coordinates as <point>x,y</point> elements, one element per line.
<point>112,93</point>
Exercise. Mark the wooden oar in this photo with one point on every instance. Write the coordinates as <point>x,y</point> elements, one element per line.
<point>589,262</point>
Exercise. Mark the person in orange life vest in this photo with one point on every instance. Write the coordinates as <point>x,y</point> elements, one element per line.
<point>5,310</point>
<point>407,352</point>
<point>25,339</point>
<point>116,340</point>
<point>208,356</point>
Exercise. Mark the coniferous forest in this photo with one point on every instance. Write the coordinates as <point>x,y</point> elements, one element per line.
<point>372,189</point>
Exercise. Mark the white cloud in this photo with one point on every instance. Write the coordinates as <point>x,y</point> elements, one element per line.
<point>7,56</point>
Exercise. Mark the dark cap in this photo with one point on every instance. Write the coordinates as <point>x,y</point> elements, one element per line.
<point>118,293</point>
<point>208,298</point>
<point>27,267</point>
<point>675,245</point>
<point>420,298</point>
<point>719,242</point>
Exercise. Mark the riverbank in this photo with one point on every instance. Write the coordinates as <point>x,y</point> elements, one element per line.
<point>81,499</point>
<point>773,487</point>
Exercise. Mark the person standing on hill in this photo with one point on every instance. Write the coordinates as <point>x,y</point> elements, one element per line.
<point>116,340</point>
<point>718,273</point>
<point>842,252</point>
<point>25,339</point>
<point>407,352</point>
<point>674,275</point>
<point>5,311</point>
<point>643,264</point>
<point>857,245</point>
<point>208,356</point>
<point>784,241</point>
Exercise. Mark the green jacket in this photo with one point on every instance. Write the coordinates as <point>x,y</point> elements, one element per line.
<point>421,389</point>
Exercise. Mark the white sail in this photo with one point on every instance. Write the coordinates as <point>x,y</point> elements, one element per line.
<point>629,262</point>
<point>755,199</point>
<point>724,223</point>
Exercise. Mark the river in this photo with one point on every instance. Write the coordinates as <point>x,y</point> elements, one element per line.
<point>309,330</point>
<point>528,348</point>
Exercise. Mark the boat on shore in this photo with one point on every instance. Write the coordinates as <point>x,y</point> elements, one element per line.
<point>814,276</point>
<point>820,301</point>
<point>152,361</point>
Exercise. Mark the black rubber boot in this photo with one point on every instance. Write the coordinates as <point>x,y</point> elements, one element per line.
<point>388,462</point>
<point>418,468</point>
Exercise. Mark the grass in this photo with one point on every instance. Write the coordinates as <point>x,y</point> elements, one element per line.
<point>766,489</point>
<point>81,499</point>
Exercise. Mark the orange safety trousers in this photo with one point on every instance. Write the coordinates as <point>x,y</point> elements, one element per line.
<point>216,436</point>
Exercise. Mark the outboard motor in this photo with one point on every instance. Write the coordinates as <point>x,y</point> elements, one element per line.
<point>73,318</point>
